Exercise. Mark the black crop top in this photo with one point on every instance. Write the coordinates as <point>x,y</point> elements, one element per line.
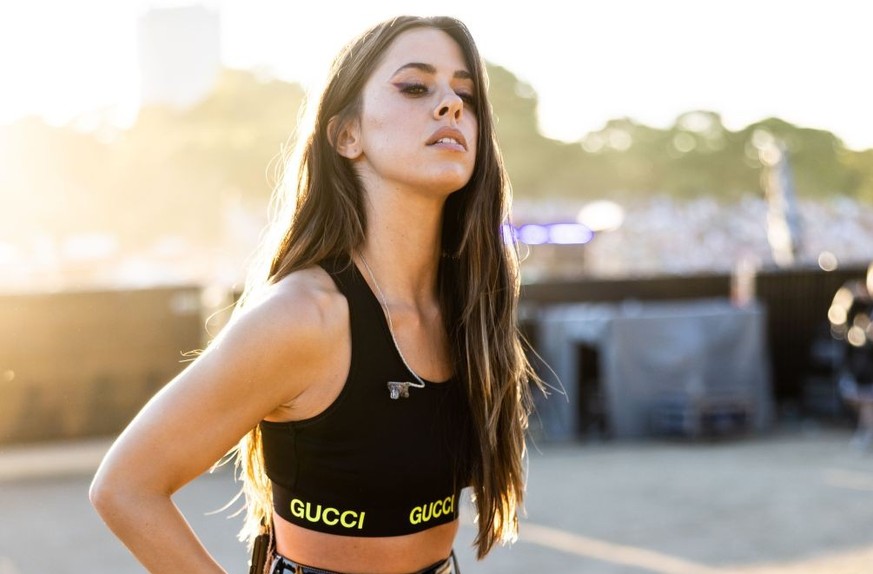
<point>370,465</point>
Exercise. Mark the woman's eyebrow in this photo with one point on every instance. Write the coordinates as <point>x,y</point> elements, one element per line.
<point>429,69</point>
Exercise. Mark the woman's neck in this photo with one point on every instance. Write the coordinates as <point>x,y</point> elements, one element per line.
<point>403,245</point>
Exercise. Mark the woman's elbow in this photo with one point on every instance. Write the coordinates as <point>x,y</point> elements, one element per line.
<point>114,493</point>
<point>104,493</point>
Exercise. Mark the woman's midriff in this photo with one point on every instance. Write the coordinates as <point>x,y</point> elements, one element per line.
<point>348,554</point>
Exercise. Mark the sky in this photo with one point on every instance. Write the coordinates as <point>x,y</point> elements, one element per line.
<point>589,61</point>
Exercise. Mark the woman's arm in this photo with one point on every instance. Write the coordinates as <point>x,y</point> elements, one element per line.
<point>263,359</point>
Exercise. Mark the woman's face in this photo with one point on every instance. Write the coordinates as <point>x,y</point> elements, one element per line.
<point>417,127</point>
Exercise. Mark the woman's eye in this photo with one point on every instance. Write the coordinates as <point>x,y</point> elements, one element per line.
<point>468,99</point>
<point>417,90</point>
<point>413,89</point>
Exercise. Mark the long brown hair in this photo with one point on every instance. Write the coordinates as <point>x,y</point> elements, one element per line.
<point>323,216</point>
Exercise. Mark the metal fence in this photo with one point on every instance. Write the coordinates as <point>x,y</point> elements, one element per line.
<point>82,363</point>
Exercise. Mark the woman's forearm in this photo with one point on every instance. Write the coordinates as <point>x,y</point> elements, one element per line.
<point>154,530</point>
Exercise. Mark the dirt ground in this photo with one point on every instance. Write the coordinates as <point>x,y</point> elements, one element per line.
<point>788,502</point>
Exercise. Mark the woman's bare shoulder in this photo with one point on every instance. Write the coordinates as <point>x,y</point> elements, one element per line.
<point>305,307</point>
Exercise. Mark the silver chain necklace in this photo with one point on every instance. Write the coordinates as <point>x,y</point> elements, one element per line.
<point>396,389</point>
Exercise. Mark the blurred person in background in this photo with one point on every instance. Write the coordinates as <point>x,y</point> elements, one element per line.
<point>373,367</point>
<point>851,318</point>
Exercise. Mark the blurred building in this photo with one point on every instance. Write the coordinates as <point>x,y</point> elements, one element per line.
<point>179,54</point>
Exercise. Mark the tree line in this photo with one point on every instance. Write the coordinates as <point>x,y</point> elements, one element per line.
<point>169,172</point>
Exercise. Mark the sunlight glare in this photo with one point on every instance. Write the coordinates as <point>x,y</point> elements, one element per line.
<point>76,61</point>
<point>585,62</point>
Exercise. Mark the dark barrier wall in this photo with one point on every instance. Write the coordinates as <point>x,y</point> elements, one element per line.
<point>83,363</point>
<point>796,301</point>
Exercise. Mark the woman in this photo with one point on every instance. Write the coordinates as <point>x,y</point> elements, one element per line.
<point>376,368</point>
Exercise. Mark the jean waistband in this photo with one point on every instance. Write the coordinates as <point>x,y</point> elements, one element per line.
<point>282,565</point>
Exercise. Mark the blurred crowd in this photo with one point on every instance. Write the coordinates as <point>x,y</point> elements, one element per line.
<point>647,238</point>
<point>665,236</point>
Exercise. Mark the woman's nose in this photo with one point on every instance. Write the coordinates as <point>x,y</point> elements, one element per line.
<point>449,105</point>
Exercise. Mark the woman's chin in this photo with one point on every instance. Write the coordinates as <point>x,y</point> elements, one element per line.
<point>449,182</point>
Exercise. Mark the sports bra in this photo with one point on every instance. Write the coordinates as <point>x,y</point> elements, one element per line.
<point>370,465</point>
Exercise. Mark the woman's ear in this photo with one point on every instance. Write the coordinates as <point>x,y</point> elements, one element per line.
<point>345,138</point>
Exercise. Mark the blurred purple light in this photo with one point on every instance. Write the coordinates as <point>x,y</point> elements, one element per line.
<point>551,233</point>
<point>548,233</point>
<point>533,234</point>
<point>509,233</point>
<point>569,234</point>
